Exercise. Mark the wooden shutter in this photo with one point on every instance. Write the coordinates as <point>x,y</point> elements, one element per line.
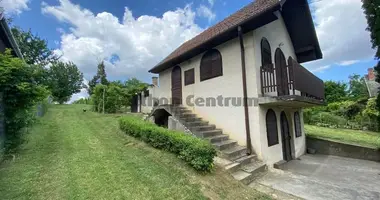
<point>189,77</point>
<point>266,55</point>
<point>211,65</point>
<point>272,130</point>
<point>297,124</point>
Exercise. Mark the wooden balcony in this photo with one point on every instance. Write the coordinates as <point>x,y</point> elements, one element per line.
<point>290,85</point>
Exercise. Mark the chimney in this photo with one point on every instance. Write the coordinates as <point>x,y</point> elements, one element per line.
<point>155,81</point>
<point>371,74</point>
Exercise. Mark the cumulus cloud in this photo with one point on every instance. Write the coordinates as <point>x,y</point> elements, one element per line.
<point>14,6</point>
<point>340,26</point>
<point>204,11</point>
<point>137,43</point>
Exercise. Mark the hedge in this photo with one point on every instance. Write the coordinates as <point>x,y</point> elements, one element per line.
<point>196,152</point>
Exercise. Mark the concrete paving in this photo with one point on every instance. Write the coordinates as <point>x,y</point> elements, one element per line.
<point>321,177</point>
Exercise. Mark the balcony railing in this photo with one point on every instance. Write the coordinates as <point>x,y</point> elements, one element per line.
<point>292,79</point>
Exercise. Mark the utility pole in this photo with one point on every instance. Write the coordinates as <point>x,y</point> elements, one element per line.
<point>104,91</point>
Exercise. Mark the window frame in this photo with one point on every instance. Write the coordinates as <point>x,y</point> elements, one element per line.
<point>190,73</point>
<point>273,130</point>
<point>211,65</point>
<point>297,126</point>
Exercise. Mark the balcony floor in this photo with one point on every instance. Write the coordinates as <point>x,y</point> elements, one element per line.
<point>293,101</point>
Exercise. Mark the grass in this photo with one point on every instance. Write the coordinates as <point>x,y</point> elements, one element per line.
<point>355,137</point>
<point>74,155</point>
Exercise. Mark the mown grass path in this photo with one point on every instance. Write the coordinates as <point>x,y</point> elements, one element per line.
<point>70,154</point>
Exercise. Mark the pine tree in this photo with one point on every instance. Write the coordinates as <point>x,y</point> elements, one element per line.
<point>100,77</point>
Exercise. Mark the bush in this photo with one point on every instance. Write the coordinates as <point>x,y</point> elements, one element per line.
<point>198,153</point>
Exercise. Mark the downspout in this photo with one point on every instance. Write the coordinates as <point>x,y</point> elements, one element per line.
<point>245,99</point>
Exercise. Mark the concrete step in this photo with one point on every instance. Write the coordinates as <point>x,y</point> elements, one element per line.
<point>205,134</point>
<point>234,152</point>
<point>233,167</point>
<point>187,115</point>
<point>246,159</point>
<point>242,176</point>
<point>217,138</point>
<point>190,119</point>
<point>202,128</point>
<point>254,167</point>
<point>195,123</point>
<point>224,144</point>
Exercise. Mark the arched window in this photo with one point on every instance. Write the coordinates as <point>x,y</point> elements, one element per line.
<point>266,55</point>
<point>272,133</point>
<point>297,124</point>
<point>211,65</point>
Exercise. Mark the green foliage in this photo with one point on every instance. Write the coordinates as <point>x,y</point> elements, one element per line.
<point>335,91</point>
<point>21,93</point>
<point>83,101</point>
<point>64,80</point>
<point>133,86</point>
<point>198,153</point>
<point>99,78</point>
<point>34,49</point>
<point>358,88</point>
<point>114,98</point>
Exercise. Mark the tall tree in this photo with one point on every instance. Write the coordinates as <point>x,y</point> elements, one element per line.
<point>34,49</point>
<point>65,79</point>
<point>358,88</point>
<point>372,11</point>
<point>335,91</point>
<point>100,77</point>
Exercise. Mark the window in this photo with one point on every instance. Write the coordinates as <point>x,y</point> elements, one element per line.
<point>189,77</point>
<point>266,55</point>
<point>297,124</point>
<point>146,93</point>
<point>271,123</point>
<point>211,65</point>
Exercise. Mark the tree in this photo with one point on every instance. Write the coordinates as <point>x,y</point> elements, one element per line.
<point>335,91</point>
<point>34,49</point>
<point>372,12</point>
<point>100,77</point>
<point>358,88</point>
<point>64,80</point>
<point>20,95</point>
<point>133,86</point>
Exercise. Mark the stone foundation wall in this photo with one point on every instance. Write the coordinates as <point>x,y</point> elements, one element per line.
<point>344,150</point>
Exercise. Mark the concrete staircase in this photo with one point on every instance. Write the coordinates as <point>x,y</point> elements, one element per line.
<point>231,156</point>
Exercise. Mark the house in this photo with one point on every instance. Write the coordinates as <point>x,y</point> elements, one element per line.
<point>240,85</point>
<point>370,81</point>
<point>7,40</point>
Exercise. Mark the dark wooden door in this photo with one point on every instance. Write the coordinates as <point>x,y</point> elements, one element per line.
<point>286,138</point>
<point>176,86</point>
<point>134,104</point>
<point>281,74</point>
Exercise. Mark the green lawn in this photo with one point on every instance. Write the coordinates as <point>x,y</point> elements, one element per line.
<point>74,155</point>
<point>355,137</point>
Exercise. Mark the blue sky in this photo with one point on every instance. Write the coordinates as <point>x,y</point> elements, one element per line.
<point>80,30</point>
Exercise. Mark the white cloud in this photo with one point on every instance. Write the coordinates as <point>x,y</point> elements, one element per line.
<point>348,62</point>
<point>321,69</point>
<point>14,6</point>
<point>340,26</point>
<point>211,2</point>
<point>139,43</point>
<point>204,11</point>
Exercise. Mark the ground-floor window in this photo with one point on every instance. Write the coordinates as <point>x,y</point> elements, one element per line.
<point>272,131</point>
<point>297,124</point>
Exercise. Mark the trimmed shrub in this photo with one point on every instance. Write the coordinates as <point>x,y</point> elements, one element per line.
<point>198,153</point>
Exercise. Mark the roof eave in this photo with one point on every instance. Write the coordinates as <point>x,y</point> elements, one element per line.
<point>9,35</point>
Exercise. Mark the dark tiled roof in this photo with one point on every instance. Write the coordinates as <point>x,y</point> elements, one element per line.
<point>249,12</point>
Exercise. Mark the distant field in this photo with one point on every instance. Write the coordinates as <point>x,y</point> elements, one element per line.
<point>355,137</point>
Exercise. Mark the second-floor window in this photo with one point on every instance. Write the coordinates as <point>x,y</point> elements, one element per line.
<point>211,65</point>
<point>266,55</point>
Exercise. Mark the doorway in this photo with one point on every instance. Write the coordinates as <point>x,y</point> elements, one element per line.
<point>176,86</point>
<point>286,138</point>
<point>281,73</point>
